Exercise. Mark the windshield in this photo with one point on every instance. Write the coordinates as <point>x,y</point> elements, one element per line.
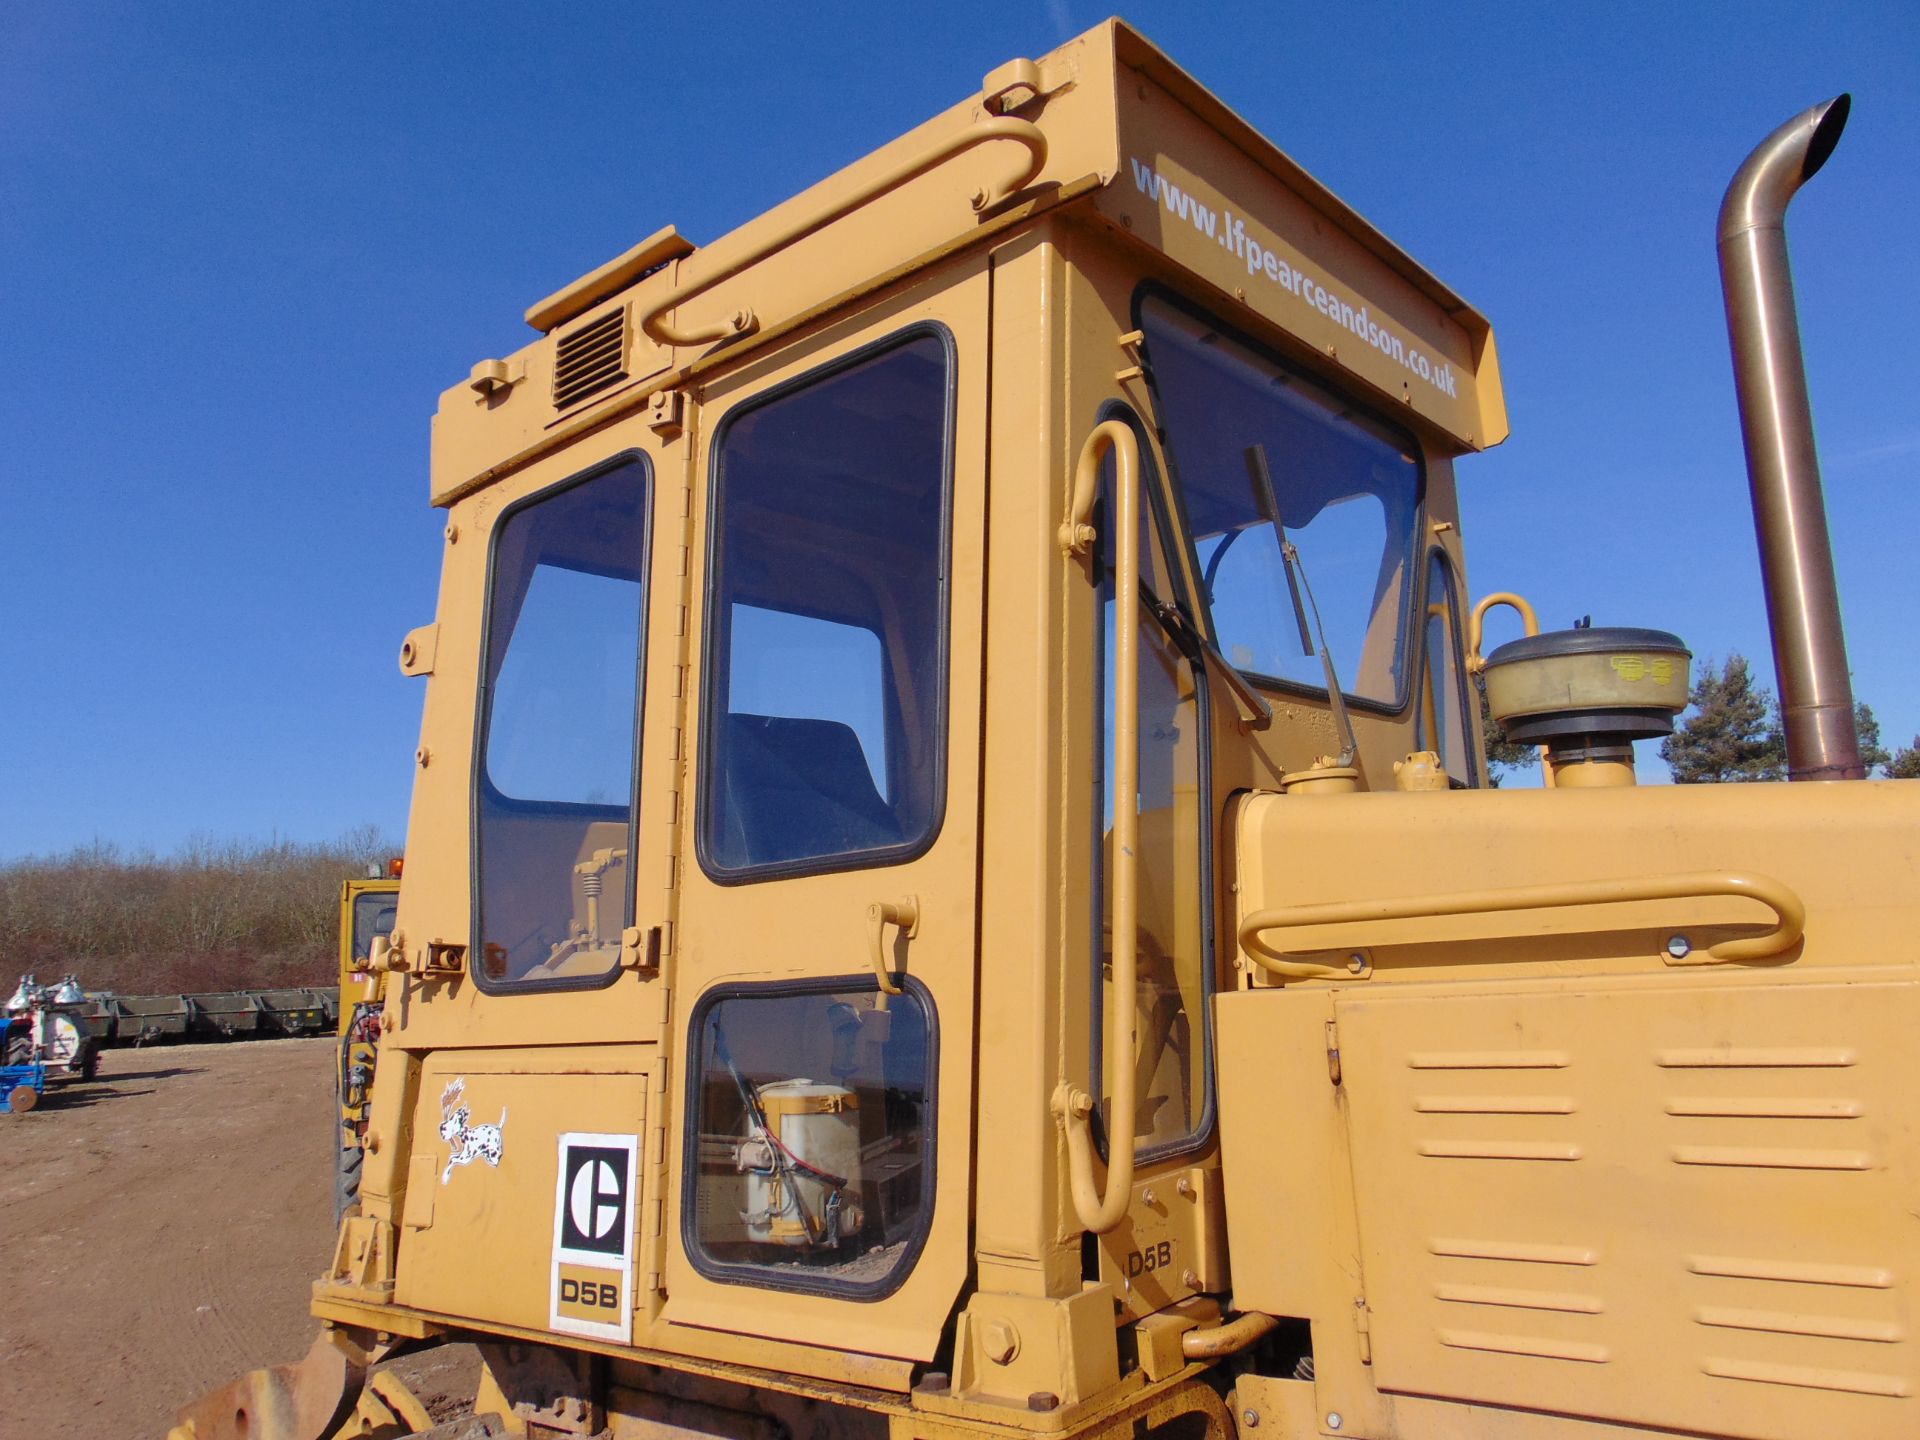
<point>1348,490</point>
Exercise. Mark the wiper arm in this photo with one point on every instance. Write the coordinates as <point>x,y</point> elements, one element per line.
<point>1297,583</point>
<point>1256,713</point>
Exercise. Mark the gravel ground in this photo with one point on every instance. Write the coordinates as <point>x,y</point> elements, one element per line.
<point>160,1231</point>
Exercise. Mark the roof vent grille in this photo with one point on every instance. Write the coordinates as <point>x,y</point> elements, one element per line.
<point>590,359</point>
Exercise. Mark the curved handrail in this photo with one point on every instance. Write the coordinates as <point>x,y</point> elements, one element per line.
<point>1476,662</point>
<point>1790,914</point>
<point>1102,1211</point>
<point>745,322</point>
<point>1476,623</point>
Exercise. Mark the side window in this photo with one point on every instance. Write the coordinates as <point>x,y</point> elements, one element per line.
<point>556,770</point>
<point>1444,720</point>
<point>1348,490</point>
<point>825,716</point>
<point>810,1155</point>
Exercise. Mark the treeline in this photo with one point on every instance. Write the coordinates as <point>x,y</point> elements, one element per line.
<point>215,915</point>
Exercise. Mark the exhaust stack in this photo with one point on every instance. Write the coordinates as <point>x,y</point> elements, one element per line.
<point>1776,422</point>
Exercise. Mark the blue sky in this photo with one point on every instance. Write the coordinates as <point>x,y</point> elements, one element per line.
<point>244,247</point>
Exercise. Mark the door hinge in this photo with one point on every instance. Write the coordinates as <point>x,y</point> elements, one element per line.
<point>1363,1329</point>
<point>1333,1052</point>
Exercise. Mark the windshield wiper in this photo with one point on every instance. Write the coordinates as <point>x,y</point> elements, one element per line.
<point>1256,713</point>
<point>1296,572</point>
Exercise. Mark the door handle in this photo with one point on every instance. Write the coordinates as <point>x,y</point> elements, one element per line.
<point>882,913</point>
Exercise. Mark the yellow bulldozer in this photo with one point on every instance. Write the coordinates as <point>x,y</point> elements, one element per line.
<point>953,888</point>
<point>369,909</point>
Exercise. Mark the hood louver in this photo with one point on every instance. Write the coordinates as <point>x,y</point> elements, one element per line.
<point>590,359</point>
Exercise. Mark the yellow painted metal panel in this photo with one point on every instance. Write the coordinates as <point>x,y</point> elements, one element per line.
<point>486,1253</point>
<point>1220,212</point>
<point>1689,1209</point>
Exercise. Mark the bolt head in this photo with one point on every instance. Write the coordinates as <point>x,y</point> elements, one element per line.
<point>1679,947</point>
<point>999,1341</point>
<point>1334,1422</point>
<point>1250,1419</point>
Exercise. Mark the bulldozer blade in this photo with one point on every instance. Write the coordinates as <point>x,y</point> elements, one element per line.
<point>302,1401</point>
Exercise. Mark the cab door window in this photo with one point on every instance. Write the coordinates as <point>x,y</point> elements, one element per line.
<point>825,716</point>
<point>556,788</point>
<point>810,1161</point>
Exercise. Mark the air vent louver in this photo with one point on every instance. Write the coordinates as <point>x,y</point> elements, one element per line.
<point>590,359</point>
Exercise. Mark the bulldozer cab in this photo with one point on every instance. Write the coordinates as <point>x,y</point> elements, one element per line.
<point>951,853</point>
<point>764,705</point>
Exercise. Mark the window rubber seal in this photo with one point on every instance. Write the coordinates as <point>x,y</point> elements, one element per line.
<point>766,1277</point>
<point>482,725</point>
<point>846,860</point>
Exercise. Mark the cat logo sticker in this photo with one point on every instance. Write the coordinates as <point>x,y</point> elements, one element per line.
<point>593,1212</point>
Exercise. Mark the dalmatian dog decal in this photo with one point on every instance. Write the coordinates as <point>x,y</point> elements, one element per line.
<point>469,1142</point>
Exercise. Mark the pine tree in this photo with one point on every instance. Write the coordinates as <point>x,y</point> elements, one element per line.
<point>1731,733</point>
<point>1905,764</point>
<point>1502,754</point>
<point>1873,754</point>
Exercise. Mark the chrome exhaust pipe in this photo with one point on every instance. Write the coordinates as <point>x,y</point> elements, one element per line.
<point>1776,422</point>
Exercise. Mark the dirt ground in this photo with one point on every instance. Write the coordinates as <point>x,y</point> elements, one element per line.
<point>160,1231</point>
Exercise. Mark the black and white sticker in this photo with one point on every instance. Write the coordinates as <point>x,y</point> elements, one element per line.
<point>593,1214</point>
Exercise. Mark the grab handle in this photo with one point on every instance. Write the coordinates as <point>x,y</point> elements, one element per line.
<point>1477,623</point>
<point>1476,662</point>
<point>744,322</point>
<point>1100,1212</point>
<point>1790,916</point>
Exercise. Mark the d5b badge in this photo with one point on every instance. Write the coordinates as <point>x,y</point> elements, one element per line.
<point>593,1213</point>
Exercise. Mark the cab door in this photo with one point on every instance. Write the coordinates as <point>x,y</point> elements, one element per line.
<point>824,959</point>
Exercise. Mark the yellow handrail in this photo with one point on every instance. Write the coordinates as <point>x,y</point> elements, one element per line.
<point>1790,914</point>
<point>1476,662</point>
<point>744,322</point>
<point>1073,1107</point>
<point>1476,623</point>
